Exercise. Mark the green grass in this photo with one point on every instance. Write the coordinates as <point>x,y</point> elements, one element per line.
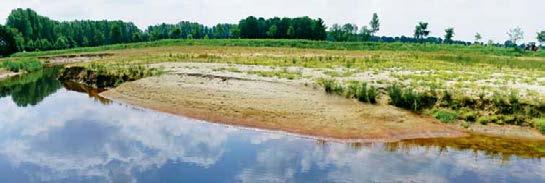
<point>22,64</point>
<point>445,116</point>
<point>540,124</point>
<point>301,44</point>
<point>410,99</point>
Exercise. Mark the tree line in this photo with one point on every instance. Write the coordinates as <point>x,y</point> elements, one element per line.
<point>25,30</point>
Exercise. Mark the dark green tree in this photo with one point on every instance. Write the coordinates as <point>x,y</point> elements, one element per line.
<point>421,31</point>
<point>374,24</point>
<point>449,34</point>
<point>8,44</point>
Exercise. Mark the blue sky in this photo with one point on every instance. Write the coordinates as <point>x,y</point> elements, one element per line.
<point>491,18</point>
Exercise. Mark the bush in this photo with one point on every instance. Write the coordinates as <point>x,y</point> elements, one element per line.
<point>445,116</point>
<point>540,124</point>
<point>25,64</point>
<point>409,99</point>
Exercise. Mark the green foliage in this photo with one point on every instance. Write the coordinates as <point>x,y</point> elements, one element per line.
<point>540,124</point>
<point>22,64</point>
<point>449,34</point>
<point>31,88</point>
<point>332,86</point>
<point>8,43</point>
<point>421,31</point>
<point>445,116</point>
<point>42,33</point>
<point>282,28</point>
<point>410,99</point>
<point>541,37</point>
<point>367,94</point>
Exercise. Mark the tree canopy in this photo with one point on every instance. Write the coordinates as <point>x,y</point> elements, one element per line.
<point>8,44</point>
<point>282,28</point>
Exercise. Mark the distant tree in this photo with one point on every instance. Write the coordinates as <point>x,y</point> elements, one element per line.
<point>8,44</point>
<point>272,31</point>
<point>421,31</point>
<point>449,34</point>
<point>116,34</point>
<point>61,43</point>
<point>366,34</point>
<point>515,35</point>
<point>374,24</point>
<point>478,37</point>
<point>541,37</point>
<point>176,33</point>
<point>490,42</point>
<point>291,32</point>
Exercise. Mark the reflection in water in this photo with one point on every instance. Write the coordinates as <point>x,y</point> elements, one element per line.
<point>31,88</point>
<point>72,137</point>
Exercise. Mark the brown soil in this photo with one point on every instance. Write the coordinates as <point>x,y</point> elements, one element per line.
<point>278,105</point>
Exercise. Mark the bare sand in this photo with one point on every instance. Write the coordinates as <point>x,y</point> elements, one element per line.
<point>4,74</point>
<point>276,105</point>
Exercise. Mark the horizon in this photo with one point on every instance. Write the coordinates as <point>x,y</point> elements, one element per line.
<point>397,17</point>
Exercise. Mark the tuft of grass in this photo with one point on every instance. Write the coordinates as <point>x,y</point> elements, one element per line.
<point>410,99</point>
<point>445,116</point>
<point>367,94</point>
<point>540,124</point>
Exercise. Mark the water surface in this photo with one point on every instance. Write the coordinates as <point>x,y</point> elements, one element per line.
<point>63,132</point>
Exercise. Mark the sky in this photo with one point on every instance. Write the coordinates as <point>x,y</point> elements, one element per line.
<point>491,18</point>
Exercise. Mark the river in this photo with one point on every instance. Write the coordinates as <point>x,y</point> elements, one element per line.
<point>63,132</point>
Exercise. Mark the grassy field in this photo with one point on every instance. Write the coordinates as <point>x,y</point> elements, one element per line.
<point>453,83</point>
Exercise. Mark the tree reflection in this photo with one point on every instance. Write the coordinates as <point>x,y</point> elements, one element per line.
<point>32,88</point>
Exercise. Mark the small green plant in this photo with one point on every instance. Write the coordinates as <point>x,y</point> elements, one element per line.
<point>445,116</point>
<point>540,124</point>
<point>331,86</point>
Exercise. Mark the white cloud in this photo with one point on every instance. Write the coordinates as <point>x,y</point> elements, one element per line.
<point>492,18</point>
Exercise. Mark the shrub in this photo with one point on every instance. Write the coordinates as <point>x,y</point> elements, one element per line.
<point>468,116</point>
<point>540,124</point>
<point>409,99</point>
<point>445,116</point>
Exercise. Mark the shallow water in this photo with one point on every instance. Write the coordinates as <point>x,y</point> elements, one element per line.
<point>54,132</point>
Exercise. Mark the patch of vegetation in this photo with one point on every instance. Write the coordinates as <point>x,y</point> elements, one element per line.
<point>540,124</point>
<point>410,99</point>
<point>358,90</point>
<point>29,64</point>
<point>445,116</point>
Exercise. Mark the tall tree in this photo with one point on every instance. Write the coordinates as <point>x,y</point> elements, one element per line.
<point>541,37</point>
<point>515,35</point>
<point>478,37</point>
<point>8,44</point>
<point>421,31</point>
<point>449,34</point>
<point>374,24</point>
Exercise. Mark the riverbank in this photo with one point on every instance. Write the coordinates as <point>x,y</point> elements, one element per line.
<point>4,74</point>
<point>240,95</point>
<point>276,106</point>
